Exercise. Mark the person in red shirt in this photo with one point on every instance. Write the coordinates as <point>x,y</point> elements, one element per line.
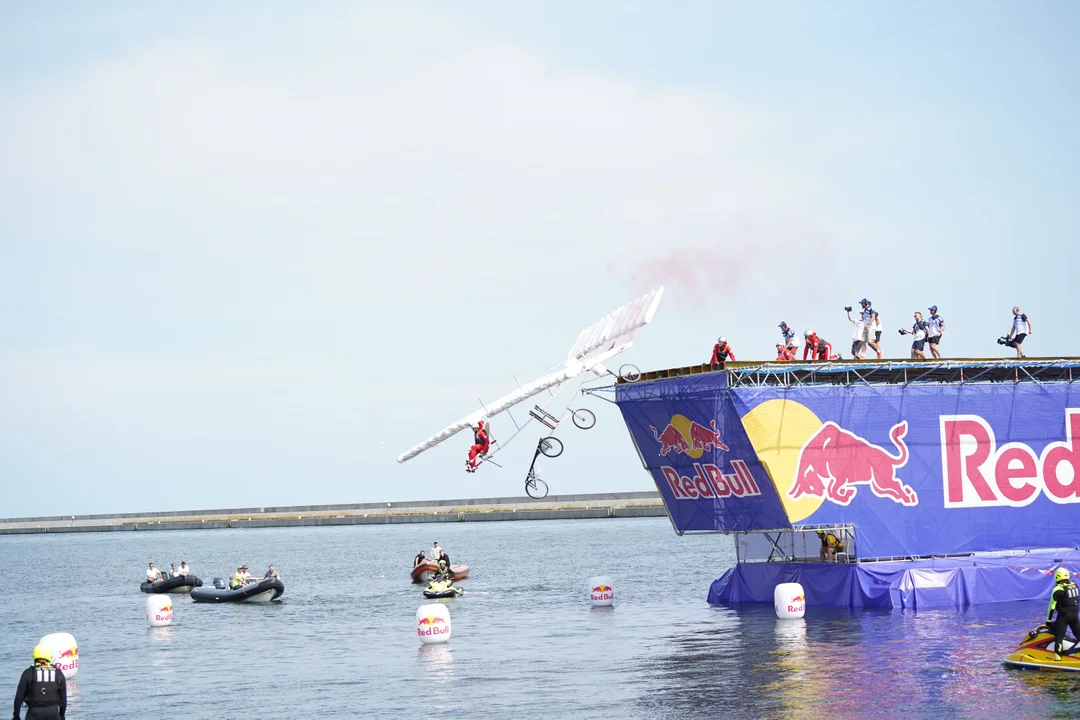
<point>481,444</point>
<point>782,353</point>
<point>817,348</point>
<point>721,351</point>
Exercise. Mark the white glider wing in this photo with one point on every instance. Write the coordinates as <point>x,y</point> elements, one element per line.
<point>604,339</point>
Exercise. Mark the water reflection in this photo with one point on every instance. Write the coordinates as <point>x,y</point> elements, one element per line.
<point>437,663</point>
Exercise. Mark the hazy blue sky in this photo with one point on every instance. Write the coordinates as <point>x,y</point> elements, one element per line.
<point>250,252</point>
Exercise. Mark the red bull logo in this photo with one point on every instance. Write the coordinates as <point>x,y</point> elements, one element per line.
<point>978,473</point>
<point>432,625</point>
<point>834,461</point>
<point>696,437</point>
<point>67,660</point>
<point>709,482</point>
<point>798,599</point>
<point>164,613</point>
<point>602,592</point>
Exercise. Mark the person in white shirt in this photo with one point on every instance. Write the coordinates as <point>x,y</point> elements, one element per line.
<point>152,573</point>
<point>245,574</point>
<point>184,569</point>
<point>173,572</point>
<point>1021,328</point>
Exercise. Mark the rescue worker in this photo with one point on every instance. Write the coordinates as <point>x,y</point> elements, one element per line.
<point>1065,598</point>
<point>721,351</point>
<point>445,574</point>
<point>481,444</point>
<point>829,545</point>
<point>782,353</point>
<point>817,348</point>
<point>43,688</point>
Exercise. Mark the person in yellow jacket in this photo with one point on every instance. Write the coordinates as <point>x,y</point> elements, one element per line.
<point>829,545</point>
<point>1065,598</point>
<point>237,579</point>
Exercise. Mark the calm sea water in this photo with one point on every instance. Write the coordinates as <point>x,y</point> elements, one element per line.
<point>525,642</point>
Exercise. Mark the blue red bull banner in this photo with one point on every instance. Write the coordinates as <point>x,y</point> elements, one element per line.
<point>918,470</point>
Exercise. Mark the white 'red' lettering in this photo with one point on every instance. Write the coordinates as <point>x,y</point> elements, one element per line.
<point>977,473</point>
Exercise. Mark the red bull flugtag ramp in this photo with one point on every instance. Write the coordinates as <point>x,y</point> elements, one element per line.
<point>946,482</point>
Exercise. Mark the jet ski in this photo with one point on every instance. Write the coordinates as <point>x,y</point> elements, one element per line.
<point>178,584</point>
<point>260,591</point>
<point>1037,651</point>
<point>441,588</point>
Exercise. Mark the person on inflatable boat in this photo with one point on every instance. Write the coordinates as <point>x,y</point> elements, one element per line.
<point>420,557</point>
<point>1065,598</point>
<point>152,573</point>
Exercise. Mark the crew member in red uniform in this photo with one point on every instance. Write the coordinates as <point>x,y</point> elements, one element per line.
<point>481,443</point>
<point>817,348</point>
<point>782,353</point>
<point>721,351</point>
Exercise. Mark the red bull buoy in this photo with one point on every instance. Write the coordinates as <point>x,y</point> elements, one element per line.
<point>433,623</point>
<point>601,592</point>
<point>65,652</point>
<point>159,610</point>
<point>789,601</point>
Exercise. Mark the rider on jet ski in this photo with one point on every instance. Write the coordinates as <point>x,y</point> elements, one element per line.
<point>1066,600</point>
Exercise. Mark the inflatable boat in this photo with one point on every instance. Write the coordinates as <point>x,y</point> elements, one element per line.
<point>427,569</point>
<point>178,584</point>
<point>260,591</point>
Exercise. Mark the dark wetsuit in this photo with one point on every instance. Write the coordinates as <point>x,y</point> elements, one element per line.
<point>1066,600</point>
<point>44,689</point>
<point>418,559</point>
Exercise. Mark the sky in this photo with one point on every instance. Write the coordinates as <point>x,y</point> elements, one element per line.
<point>251,252</point>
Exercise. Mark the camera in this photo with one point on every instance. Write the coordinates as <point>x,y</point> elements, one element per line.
<point>1002,341</point>
<point>901,331</point>
<point>848,308</point>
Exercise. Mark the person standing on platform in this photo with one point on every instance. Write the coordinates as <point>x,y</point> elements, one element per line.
<point>866,317</point>
<point>43,688</point>
<point>721,352</point>
<point>935,326</point>
<point>790,341</point>
<point>1021,328</point>
<point>918,334</point>
<point>859,337</point>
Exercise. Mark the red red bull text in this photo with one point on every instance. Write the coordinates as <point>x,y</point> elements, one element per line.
<point>433,626</point>
<point>68,660</point>
<point>709,482</point>
<point>602,592</point>
<point>835,460</point>
<point>978,473</point>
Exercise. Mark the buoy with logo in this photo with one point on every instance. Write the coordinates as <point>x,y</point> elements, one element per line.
<point>789,601</point>
<point>601,592</point>
<point>433,623</point>
<point>159,610</point>
<point>65,652</point>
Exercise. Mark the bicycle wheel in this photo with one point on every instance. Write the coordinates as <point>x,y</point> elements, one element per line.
<point>629,373</point>
<point>536,488</point>
<point>551,446</point>
<point>583,418</point>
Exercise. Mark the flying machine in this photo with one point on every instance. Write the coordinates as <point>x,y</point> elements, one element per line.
<point>601,341</point>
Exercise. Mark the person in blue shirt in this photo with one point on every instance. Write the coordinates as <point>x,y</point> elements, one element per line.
<point>918,333</point>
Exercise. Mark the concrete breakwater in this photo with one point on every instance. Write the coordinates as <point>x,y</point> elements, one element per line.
<point>553,507</point>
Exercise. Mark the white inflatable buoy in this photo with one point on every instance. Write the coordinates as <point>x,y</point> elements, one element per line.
<point>789,601</point>
<point>65,652</point>
<point>433,623</point>
<point>601,593</point>
<point>159,610</point>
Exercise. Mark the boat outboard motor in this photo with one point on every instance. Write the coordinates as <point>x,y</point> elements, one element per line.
<point>219,583</point>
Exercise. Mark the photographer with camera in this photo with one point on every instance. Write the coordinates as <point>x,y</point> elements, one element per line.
<point>1021,328</point>
<point>867,330</point>
<point>858,343</point>
<point>918,332</point>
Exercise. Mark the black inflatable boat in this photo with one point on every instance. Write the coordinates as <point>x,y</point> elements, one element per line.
<point>180,584</point>
<point>261,591</point>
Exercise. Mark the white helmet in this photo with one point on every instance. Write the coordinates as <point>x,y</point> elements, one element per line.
<point>808,333</point>
<point>721,340</point>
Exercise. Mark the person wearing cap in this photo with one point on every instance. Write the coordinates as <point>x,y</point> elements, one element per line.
<point>918,334</point>
<point>240,577</point>
<point>42,688</point>
<point>790,341</point>
<point>783,354</point>
<point>865,327</point>
<point>721,352</point>
<point>1065,598</point>
<point>152,573</point>
<point>935,326</point>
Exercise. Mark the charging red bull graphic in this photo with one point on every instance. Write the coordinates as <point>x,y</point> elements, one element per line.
<point>164,613</point>
<point>697,437</point>
<point>834,461</point>
<point>67,660</point>
<point>602,592</point>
